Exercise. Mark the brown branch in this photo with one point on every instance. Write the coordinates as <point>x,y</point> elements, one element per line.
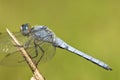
<point>27,58</point>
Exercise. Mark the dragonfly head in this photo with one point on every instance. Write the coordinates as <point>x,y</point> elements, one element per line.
<point>25,29</point>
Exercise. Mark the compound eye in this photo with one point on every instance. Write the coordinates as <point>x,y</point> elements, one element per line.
<point>25,29</point>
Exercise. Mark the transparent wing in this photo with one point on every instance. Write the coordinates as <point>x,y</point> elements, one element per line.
<point>9,54</point>
<point>12,56</point>
<point>6,44</point>
<point>49,51</point>
<point>13,59</point>
<point>42,52</point>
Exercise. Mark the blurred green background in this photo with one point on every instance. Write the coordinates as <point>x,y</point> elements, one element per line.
<point>92,26</point>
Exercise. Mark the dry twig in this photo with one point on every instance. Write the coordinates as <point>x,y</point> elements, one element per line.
<point>27,58</point>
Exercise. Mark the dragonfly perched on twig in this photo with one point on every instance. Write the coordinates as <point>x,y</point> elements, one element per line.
<point>40,42</point>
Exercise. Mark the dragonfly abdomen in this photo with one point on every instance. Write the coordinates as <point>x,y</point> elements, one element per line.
<point>60,43</point>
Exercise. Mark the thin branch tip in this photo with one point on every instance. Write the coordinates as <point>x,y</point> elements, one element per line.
<point>7,29</point>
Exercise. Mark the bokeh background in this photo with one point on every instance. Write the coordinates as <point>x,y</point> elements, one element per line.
<point>92,26</point>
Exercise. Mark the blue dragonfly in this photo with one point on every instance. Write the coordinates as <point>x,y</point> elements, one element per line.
<point>40,42</point>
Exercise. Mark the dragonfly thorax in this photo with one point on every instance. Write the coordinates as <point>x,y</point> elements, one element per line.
<point>42,33</point>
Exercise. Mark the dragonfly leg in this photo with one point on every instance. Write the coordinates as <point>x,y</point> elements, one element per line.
<point>42,54</point>
<point>25,46</point>
<point>32,57</point>
<point>36,51</point>
<point>27,43</point>
<point>36,46</point>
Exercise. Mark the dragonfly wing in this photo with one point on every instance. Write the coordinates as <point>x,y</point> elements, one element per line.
<point>14,59</point>
<point>42,48</point>
<point>10,55</point>
<point>6,44</point>
<point>13,56</point>
<point>49,51</point>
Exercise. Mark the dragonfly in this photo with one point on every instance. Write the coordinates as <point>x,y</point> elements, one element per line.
<point>40,42</point>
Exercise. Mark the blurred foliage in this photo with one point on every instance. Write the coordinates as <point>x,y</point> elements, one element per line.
<point>92,26</point>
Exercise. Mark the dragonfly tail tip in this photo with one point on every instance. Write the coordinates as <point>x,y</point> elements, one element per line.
<point>109,69</point>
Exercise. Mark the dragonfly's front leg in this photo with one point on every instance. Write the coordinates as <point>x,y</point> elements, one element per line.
<point>27,43</point>
<point>42,54</point>
<point>36,51</point>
